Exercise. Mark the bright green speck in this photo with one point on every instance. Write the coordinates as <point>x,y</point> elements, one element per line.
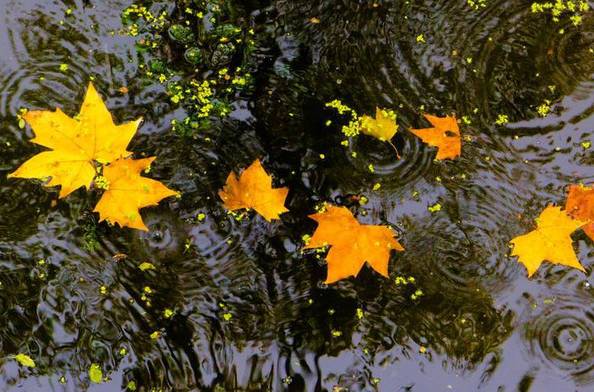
<point>144,266</point>
<point>155,335</point>
<point>95,373</point>
<point>434,208</point>
<point>359,313</point>
<point>25,360</point>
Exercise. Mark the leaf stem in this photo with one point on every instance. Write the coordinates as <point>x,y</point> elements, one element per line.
<point>394,147</point>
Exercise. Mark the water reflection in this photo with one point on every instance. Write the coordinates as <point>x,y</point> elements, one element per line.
<point>233,304</point>
<point>561,336</point>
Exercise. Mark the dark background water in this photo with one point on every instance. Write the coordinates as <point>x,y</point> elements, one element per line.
<point>250,310</point>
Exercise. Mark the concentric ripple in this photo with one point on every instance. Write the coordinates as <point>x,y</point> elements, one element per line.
<point>562,336</point>
<point>232,303</point>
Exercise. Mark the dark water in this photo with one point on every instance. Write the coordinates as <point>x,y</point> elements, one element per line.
<point>250,310</point>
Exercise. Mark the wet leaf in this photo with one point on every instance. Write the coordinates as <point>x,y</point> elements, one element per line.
<point>550,241</point>
<point>253,189</point>
<point>127,192</point>
<point>75,143</point>
<point>351,243</point>
<point>580,205</point>
<point>95,373</point>
<point>25,360</point>
<point>445,135</point>
<point>382,127</point>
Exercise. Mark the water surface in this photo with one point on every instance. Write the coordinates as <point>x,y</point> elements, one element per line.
<point>251,313</point>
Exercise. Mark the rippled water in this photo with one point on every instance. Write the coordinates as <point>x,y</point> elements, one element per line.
<point>250,310</point>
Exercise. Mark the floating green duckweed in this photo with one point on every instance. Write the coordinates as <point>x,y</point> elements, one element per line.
<point>25,360</point>
<point>476,4</point>
<point>212,38</point>
<point>95,373</point>
<point>574,9</point>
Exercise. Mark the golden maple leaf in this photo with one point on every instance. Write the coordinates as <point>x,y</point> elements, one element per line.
<point>445,135</point>
<point>253,189</point>
<point>382,127</point>
<point>580,205</point>
<point>550,241</point>
<point>75,143</point>
<point>351,243</point>
<point>127,192</point>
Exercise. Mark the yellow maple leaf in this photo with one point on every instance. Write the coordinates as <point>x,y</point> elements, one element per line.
<point>550,241</point>
<point>580,205</point>
<point>75,144</point>
<point>382,127</point>
<point>253,189</point>
<point>127,192</point>
<point>445,135</point>
<point>351,243</point>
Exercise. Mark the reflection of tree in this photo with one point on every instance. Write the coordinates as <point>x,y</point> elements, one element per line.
<point>410,54</point>
<point>279,317</point>
<point>463,326</point>
<point>249,311</point>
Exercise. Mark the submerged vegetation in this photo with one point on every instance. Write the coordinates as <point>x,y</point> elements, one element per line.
<point>202,51</point>
<point>360,195</point>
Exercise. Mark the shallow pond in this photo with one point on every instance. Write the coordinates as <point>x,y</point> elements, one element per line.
<point>235,305</point>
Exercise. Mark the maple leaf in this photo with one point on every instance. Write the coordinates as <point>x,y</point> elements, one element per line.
<point>351,243</point>
<point>127,192</point>
<point>75,143</point>
<point>382,127</point>
<point>550,241</point>
<point>580,205</point>
<point>445,135</point>
<point>253,189</point>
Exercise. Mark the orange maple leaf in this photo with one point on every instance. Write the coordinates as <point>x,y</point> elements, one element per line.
<point>580,205</point>
<point>351,243</point>
<point>253,189</point>
<point>550,241</point>
<point>445,135</point>
<point>127,192</point>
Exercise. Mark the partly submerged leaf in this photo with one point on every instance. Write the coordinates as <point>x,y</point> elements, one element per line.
<point>75,143</point>
<point>445,135</point>
<point>253,189</point>
<point>127,192</point>
<point>25,360</point>
<point>580,205</point>
<point>95,373</point>
<point>351,243</point>
<point>382,127</point>
<point>550,241</point>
